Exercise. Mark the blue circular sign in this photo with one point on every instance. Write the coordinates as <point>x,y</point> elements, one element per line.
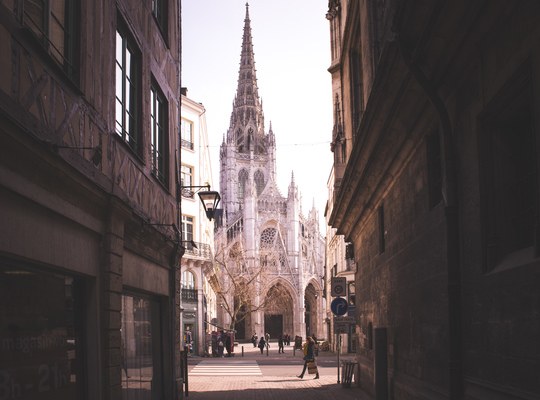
<point>339,306</point>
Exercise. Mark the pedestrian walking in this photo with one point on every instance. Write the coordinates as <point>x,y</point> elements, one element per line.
<point>280,344</point>
<point>262,344</point>
<point>254,340</point>
<point>221,344</point>
<point>309,359</point>
<point>267,338</point>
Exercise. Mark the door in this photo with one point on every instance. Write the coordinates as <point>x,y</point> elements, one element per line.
<point>273,324</point>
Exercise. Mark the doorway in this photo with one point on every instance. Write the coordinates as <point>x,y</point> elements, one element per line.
<point>273,324</point>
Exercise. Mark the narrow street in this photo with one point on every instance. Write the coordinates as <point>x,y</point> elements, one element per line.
<point>261,377</point>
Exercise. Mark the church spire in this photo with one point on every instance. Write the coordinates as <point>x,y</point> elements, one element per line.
<point>246,129</point>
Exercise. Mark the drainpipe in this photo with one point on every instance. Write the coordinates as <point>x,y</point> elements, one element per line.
<point>450,197</point>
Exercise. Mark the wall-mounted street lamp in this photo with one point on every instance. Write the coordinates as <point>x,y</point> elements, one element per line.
<point>209,199</point>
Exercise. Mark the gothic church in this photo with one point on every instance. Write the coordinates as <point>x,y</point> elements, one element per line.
<point>261,224</point>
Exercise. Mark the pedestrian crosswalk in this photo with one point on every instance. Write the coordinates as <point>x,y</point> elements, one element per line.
<point>226,367</point>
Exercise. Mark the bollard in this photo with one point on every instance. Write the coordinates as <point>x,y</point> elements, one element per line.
<point>242,351</point>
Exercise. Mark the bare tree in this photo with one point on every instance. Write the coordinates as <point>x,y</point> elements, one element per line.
<point>238,283</point>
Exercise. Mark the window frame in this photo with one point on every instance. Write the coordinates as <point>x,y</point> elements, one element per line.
<point>159,134</point>
<point>187,192</point>
<point>188,236</point>
<point>158,314</point>
<point>64,54</point>
<point>159,12</point>
<point>132,136</point>
<point>187,143</point>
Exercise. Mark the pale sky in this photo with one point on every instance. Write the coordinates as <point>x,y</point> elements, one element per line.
<point>291,44</point>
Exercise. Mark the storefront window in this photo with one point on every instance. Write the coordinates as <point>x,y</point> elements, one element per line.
<point>141,349</point>
<point>40,335</point>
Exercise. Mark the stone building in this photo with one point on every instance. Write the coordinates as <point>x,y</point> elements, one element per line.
<point>199,301</point>
<point>260,223</point>
<point>436,184</point>
<point>89,246</point>
<point>339,263</point>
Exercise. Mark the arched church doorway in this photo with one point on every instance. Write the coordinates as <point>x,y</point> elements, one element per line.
<point>310,303</point>
<point>278,312</point>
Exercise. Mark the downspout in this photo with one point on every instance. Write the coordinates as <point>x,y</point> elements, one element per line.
<point>450,198</point>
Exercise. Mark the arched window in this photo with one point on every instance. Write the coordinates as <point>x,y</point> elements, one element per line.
<point>259,181</point>
<point>242,179</point>
<point>188,280</point>
<point>239,140</point>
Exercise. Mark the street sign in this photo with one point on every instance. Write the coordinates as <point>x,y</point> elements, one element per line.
<point>338,286</point>
<point>343,324</point>
<point>344,320</point>
<point>339,306</point>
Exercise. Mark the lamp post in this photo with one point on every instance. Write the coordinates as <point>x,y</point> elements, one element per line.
<point>210,200</point>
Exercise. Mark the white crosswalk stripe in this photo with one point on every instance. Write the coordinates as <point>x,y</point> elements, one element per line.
<point>226,368</point>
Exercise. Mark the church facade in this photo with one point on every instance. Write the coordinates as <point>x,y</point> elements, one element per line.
<point>270,256</point>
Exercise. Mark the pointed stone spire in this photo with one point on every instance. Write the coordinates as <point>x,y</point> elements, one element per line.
<point>246,128</point>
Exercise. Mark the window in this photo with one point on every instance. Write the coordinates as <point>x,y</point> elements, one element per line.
<point>160,138</point>
<point>356,89</point>
<point>159,11</point>
<point>259,181</point>
<point>127,108</point>
<point>187,228</point>
<point>509,188</point>
<point>189,293</point>
<point>240,140</point>
<point>142,374</point>
<point>42,349</point>
<point>55,24</point>
<point>188,280</point>
<point>434,169</point>
<point>186,179</point>
<point>186,129</point>
<point>242,180</point>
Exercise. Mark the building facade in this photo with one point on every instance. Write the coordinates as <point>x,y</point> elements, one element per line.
<point>276,248</point>
<point>339,264</point>
<point>198,299</point>
<point>436,185</point>
<point>89,251</point>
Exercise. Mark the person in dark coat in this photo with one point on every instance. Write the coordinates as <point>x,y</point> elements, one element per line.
<point>280,344</point>
<point>309,356</point>
<point>262,344</point>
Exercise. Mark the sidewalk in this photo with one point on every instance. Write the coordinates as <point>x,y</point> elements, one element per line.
<point>286,386</point>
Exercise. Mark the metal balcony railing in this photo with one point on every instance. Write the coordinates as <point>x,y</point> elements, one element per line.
<point>202,250</point>
<point>189,295</point>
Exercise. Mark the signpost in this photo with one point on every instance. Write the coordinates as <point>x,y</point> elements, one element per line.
<point>339,306</point>
<point>338,286</point>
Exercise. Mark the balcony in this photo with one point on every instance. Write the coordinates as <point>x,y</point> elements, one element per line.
<point>200,250</point>
<point>189,295</point>
<point>186,144</point>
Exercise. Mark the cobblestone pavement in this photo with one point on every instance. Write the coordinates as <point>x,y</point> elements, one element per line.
<point>278,381</point>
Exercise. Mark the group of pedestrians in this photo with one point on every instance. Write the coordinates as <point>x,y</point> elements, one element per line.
<point>264,342</point>
<point>310,350</point>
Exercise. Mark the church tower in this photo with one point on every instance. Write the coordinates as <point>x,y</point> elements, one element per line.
<point>263,239</point>
<point>246,142</point>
